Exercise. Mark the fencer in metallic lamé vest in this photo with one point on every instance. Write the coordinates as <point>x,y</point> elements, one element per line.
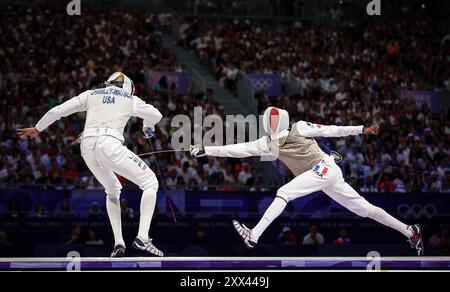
<point>300,154</point>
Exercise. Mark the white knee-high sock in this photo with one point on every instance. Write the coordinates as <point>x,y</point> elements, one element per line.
<point>148,204</point>
<point>115,218</point>
<point>384,218</point>
<point>271,214</point>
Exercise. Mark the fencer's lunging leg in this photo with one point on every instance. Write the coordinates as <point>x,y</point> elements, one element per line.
<point>384,218</point>
<point>272,213</point>
<point>301,186</point>
<point>346,196</point>
<point>148,204</point>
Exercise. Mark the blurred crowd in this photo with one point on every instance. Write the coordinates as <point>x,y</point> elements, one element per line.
<point>346,76</point>
<point>439,240</point>
<point>180,170</point>
<point>275,8</point>
<point>396,54</point>
<point>48,58</point>
<point>350,75</point>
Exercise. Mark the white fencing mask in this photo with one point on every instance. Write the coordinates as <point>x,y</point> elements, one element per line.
<point>276,123</point>
<point>121,80</point>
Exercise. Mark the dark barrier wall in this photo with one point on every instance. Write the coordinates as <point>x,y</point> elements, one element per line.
<point>240,204</point>
<point>206,237</point>
<point>203,225</point>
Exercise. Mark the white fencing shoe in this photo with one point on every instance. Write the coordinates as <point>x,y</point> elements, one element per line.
<point>147,247</point>
<point>119,251</point>
<point>245,234</point>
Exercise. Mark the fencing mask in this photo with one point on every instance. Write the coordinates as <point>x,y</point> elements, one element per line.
<point>276,124</point>
<point>121,80</point>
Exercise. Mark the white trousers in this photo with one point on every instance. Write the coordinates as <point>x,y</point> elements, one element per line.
<point>326,177</point>
<point>106,156</point>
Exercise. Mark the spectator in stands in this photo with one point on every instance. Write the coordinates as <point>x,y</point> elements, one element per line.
<point>227,187</point>
<point>200,236</point>
<point>229,175</point>
<point>386,185</point>
<point>230,77</point>
<point>399,184</point>
<point>127,211</point>
<point>13,211</point>
<point>211,168</point>
<point>258,186</point>
<point>440,238</point>
<point>245,174</point>
<point>75,237</point>
<point>190,174</point>
<point>94,212</point>
<point>253,176</point>
<point>41,211</point>
<point>287,237</point>
<point>162,86</point>
<point>313,237</point>
<point>343,239</point>
<point>93,240</point>
<point>368,186</point>
<point>65,211</point>
<point>4,239</point>
<point>171,182</point>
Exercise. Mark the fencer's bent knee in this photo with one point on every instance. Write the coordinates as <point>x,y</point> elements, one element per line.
<point>149,182</point>
<point>150,185</point>
<point>149,193</point>
<point>113,192</point>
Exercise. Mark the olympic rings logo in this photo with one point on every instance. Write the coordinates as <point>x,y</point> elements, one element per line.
<point>417,211</point>
<point>262,84</point>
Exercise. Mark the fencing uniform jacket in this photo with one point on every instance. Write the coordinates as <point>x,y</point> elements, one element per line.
<point>297,149</point>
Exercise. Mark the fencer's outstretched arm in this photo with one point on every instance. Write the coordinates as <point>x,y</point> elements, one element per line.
<point>313,130</point>
<point>243,150</point>
<point>147,112</point>
<point>70,107</point>
<point>74,105</point>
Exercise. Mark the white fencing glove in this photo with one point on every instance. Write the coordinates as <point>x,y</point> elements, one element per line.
<point>198,151</point>
<point>148,133</point>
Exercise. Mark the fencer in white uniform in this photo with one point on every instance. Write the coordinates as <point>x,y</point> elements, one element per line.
<point>108,110</point>
<point>294,144</point>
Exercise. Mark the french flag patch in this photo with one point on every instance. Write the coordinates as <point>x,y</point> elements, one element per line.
<point>321,170</point>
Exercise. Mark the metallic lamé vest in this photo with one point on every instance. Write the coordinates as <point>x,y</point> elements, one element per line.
<point>300,154</point>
